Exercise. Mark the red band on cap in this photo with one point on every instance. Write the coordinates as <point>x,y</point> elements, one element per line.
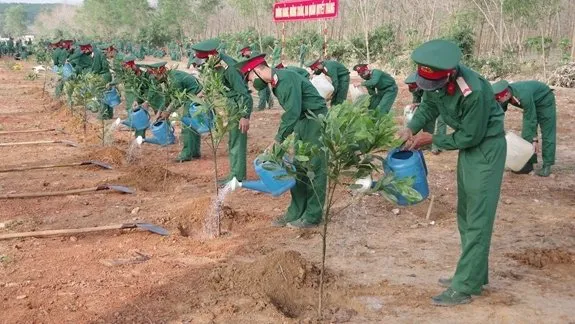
<point>430,74</point>
<point>86,48</point>
<point>252,63</point>
<point>280,66</point>
<point>314,65</point>
<point>205,55</point>
<point>361,68</point>
<point>502,94</point>
<point>158,71</point>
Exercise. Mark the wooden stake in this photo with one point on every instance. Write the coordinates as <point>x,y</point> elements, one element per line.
<point>430,207</point>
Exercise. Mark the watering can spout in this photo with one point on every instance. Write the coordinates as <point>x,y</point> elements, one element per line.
<point>365,183</point>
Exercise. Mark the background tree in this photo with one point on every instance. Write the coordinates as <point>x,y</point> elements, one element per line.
<point>15,21</point>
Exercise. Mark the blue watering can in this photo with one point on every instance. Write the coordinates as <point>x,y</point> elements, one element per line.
<point>112,97</point>
<point>200,122</point>
<point>272,179</point>
<point>163,133</point>
<point>139,119</point>
<point>403,164</point>
<point>67,71</point>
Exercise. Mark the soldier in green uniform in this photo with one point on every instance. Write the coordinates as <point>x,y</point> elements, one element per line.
<point>81,60</point>
<point>60,56</point>
<point>302,53</point>
<point>298,97</point>
<point>179,80</point>
<point>238,98</point>
<point>339,76</point>
<point>435,127</point>
<point>265,95</point>
<point>134,90</point>
<point>380,86</point>
<point>101,66</point>
<point>538,103</point>
<point>466,102</point>
<point>301,71</point>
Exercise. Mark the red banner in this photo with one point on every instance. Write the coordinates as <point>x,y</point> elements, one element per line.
<point>297,10</point>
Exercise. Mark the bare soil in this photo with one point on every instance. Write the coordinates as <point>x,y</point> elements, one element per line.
<point>382,267</point>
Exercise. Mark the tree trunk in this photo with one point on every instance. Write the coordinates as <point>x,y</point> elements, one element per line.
<point>573,41</point>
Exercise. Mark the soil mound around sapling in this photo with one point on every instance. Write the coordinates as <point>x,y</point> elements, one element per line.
<point>287,280</point>
<point>151,178</point>
<point>192,213</point>
<point>111,155</point>
<point>540,258</point>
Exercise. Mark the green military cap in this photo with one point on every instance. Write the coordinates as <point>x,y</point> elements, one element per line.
<point>436,61</point>
<point>500,86</point>
<point>249,64</point>
<point>154,65</point>
<point>412,78</point>
<point>205,48</point>
<point>129,58</point>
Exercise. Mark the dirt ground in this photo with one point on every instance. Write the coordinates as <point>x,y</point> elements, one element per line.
<point>382,267</point>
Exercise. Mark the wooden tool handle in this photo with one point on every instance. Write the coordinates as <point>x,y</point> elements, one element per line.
<point>62,231</point>
<point>49,194</point>
<point>37,167</point>
<point>27,131</point>
<point>28,143</point>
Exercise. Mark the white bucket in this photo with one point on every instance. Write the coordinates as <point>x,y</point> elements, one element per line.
<point>408,113</point>
<point>355,92</point>
<point>323,86</point>
<point>519,151</point>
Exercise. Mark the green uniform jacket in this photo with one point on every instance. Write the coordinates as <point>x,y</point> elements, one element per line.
<point>533,98</point>
<point>81,62</point>
<point>183,81</point>
<point>238,93</point>
<point>416,96</point>
<point>301,71</point>
<point>473,118</point>
<point>335,71</point>
<point>296,95</point>
<point>379,82</point>
<point>59,56</point>
<point>101,66</point>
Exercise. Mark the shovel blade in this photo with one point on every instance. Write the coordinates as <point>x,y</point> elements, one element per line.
<point>98,163</point>
<point>121,189</point>
<point>153,228</point>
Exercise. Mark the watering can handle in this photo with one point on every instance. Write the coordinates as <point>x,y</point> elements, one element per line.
<point>423,161</point>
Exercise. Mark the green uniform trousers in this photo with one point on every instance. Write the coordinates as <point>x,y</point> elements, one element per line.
<point>307,197</point>
<point>340,93</point>
<point>237,148</point>
<point>382,102</point>
<point>191,141</point>
<point>547,121</point>
<point>266,99</point>
<point>479,176</point>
